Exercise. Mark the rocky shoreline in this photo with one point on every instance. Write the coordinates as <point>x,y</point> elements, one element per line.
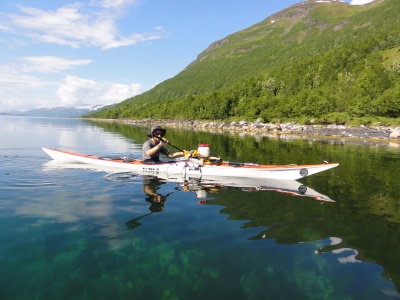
<point>358,134</point>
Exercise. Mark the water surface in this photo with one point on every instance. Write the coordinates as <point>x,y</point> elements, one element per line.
<point>82,233</point>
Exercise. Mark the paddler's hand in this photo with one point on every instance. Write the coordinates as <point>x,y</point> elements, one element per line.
<point>191,153</point>
<point>163,141</point>
<point>194,153</point>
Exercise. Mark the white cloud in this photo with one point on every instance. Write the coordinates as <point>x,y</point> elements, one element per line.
<point>119,92</point>
<point>15,77</point>
<point>19,90</point>
<point>76,26</point>
<point>17,81</point>
<point>12,103</point>
<point>115,4</point>
<point>360,2</point>
<point>74,90</point>
<point>11,79</point>
<point>23,91</point>
<point>5,28</point>
<point>78,91</point>
<point>50,64</point>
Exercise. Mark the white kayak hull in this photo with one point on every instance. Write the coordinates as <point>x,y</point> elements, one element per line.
<point>195,167</point>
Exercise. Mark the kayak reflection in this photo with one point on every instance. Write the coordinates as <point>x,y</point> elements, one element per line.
<point>205,187</point>
<point>202,186</point>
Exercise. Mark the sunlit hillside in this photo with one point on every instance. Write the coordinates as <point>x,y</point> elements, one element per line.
<point>326,61</point>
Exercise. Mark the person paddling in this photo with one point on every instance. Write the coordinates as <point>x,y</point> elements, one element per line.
<point>155,145</point>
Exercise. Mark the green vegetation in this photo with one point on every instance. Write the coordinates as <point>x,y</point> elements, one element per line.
<point>326,62</point>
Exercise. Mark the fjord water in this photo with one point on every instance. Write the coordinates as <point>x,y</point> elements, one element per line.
<point>81,233</point>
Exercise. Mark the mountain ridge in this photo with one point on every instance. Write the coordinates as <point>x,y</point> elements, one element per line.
<point>291,56</point>
<point>56,112</point>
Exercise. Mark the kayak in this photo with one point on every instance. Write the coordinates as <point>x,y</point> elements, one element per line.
<point>195,166</point>
<point>202,186</point>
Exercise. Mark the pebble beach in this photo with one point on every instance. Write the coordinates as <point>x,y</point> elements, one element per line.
<point>378,134</point>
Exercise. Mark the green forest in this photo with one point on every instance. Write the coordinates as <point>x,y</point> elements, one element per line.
<point>313,62</point>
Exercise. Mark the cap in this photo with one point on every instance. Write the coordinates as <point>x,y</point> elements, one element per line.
<point>154,128</point>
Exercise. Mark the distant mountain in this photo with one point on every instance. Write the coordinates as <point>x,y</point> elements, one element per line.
<point>12,112</point>
<point>56,112</point>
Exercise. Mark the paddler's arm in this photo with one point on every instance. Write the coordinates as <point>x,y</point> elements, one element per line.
<point>176,154</point>
<point>155,149</point>
<point>163,142</point>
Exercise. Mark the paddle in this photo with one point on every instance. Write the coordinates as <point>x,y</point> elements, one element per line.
<point>160,138</point>
<point>132,224</point>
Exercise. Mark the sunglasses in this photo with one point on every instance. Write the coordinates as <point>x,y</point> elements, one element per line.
<point>158,133</point>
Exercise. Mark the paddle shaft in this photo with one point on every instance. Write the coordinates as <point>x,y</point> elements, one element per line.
<point>161,139</point>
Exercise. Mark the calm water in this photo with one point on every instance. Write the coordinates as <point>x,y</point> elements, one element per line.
<point>80,233</point>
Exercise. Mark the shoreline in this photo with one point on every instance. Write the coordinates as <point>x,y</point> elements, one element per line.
<point>368,135</point>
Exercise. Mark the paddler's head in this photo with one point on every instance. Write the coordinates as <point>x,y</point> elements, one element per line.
<point>156,131</point>
<point>157,202</point>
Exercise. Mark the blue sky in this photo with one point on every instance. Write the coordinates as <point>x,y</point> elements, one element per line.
<point>66,53</point>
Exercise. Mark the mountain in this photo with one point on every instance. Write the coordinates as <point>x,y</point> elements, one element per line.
<point>315,59</point>
<point>57,112</point>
